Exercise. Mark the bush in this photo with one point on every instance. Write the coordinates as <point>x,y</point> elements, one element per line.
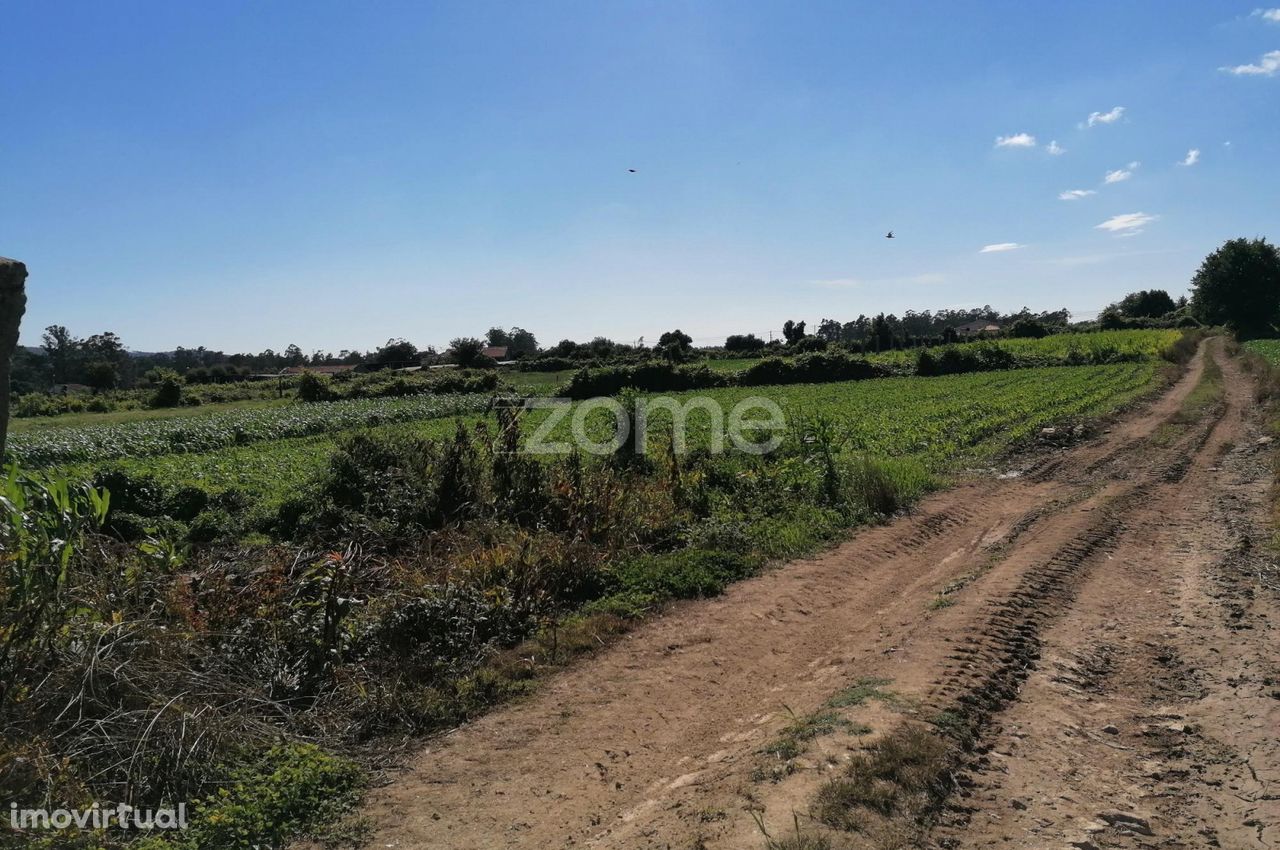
<point>168,388</point>
<point>292,790</point>
<point>313,387</point>
<point>546,364</point>
<point>684,574</point>
<point>1028,329</point>
<point>649,376</point>
<point>809,343</point>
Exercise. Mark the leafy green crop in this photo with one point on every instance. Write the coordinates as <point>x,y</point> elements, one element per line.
<point>1267,348</point>
<point>233,428</point>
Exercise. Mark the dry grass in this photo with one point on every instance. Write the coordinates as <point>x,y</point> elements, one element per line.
<point>900,777</point>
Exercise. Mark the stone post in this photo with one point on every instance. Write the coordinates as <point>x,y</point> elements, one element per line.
<point>13,303</point>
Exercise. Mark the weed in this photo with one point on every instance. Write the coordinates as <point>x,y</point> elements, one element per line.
<point>861,691</point>
<point>903,774</point>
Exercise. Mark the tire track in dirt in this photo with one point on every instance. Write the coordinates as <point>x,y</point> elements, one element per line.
<point>655,742</point>
<point>1149,721</point>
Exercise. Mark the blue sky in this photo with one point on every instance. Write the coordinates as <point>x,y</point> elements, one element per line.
<point>249,175</point>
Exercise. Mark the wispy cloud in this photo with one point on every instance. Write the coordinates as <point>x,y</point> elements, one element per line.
<point>1267,66</point>
<point>1128,224</point>
<point>1193,156</point>
<point>1076,194</point>
<point>1018,140</point>
<point>1000,247</point>
<point>1056,149</point>
<point>837,283</point>
<point>1272,15</point>
<point>1096,118</point>
<point>1121,174</point>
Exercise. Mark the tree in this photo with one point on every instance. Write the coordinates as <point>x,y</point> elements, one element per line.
<point>677,338</point>
<point>674,345</point>
<point>168,387</point>
<point>498,338</point>
<point>61,347</point>
<point>881,333</point>
<point>101,374</point>
<point>743,343</point>
<point>829,330</point>
<point>396,352</point>
<point>1238,285</point>
<point>1146,304</point>
<point>1028,329</point>
<point>467,351</point>
<point>521,343</point>
<point>792,332</point>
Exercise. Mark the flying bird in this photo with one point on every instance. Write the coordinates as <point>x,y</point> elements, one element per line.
<point>632,170</point>
<point>889,235</point>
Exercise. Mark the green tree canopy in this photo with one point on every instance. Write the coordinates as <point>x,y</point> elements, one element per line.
<point>1146,304</point>
<point>1238,286</point>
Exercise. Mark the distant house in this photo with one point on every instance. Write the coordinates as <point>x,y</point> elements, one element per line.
<point>495,352</point>
<point>978,328</point>
<point>319,370</point>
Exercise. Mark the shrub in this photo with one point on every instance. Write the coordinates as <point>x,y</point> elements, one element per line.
<point>313,387</point>
<point>1028,329</point>
<point>809,343</point>
<point>684,574</point>
<point>293,789</point>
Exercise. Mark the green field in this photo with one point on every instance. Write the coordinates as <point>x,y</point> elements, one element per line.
<point>267,449</point>
<point>1267,348</point>
<point>1097,347</point>
<point>937,421</point>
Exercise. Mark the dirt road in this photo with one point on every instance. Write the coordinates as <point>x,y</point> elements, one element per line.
<point>1109,613</point>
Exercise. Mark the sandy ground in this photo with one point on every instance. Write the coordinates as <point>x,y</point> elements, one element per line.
<point>1111,612</point>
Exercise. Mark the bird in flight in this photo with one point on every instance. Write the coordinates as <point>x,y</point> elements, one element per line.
<point>889,235</point>
<point>632,170</point>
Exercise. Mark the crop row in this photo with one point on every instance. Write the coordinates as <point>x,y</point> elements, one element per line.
<point>195,434</point>
<point>934,420</point>
<point>1074,349</point>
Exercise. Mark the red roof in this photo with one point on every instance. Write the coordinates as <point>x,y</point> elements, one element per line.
<point>497,352</point>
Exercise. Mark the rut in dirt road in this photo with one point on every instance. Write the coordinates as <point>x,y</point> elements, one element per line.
<point>975,606</point>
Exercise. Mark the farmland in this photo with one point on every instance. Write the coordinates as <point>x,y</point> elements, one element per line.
<point>383,566</point>
<point>937,422</point>
<point>51,446</point>
<point>1269,349</point>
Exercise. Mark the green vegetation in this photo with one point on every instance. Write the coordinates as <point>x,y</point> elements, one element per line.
<point>1063,349</point>
<point>1238,286</point>
<point>914,427</point>
<point>49,447</point>
<point>435,568</point>
<point>1268,349</point>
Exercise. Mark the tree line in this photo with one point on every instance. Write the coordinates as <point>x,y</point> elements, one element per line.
<point>1237,286</point>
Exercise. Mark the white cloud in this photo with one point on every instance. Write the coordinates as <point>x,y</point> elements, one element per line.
<point>1000,247</point>
<point>1193,156</point>
<point>1018,140</point>
<point>1056,149</point>
<point>838,283</point>
<point>1096,118</point>
<point>1272,15</point>
<point>1266,67</point>
<point>1128,224</point>
<point>1076,194</point>
<point>1121,174</point>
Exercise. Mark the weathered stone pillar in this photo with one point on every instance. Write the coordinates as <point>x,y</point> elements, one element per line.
<point>13,303</point>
